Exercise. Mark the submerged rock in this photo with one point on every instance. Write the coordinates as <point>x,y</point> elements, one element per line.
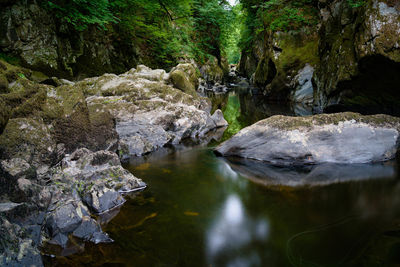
<point>334,138</point>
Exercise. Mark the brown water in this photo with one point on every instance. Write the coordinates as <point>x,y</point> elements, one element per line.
<point>200,210</point>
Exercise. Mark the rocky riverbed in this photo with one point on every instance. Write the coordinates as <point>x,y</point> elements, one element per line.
<point>62,144</point>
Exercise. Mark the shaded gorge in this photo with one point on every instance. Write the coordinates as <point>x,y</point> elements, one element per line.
<point>200,210</point>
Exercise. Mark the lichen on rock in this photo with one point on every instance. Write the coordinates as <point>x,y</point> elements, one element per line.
<point>327,138</point>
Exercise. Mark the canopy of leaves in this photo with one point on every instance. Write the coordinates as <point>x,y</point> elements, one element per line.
<point>276,15</point>
<point>163,30</point>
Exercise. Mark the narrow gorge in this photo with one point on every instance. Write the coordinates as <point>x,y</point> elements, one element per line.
<point>199,133</point>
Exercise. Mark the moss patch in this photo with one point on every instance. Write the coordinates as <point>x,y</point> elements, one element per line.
<point>180,80</point>
<point>293,123</point>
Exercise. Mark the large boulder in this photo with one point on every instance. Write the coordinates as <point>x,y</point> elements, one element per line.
<point>191,71</point>
<point>334,138</point>
<point>149,113</point>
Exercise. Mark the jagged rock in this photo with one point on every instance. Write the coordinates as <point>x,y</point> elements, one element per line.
<point>30,140</point>
<point>360,58</point>
<point>147,73</point>
<point>304,91</point>
<point>86,182</point>
<point>148,113</point>
<point>43,42</point>
<point>334,138</point>
<point>273,63</point>
<point>16,246</point>
<point>213,72</point>
<point>15,167</point>
<point>218,118</point>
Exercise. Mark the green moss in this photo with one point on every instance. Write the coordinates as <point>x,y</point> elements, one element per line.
<point>4,115</point>
<point>179,80</point>
<point>297,51</point>
<point>26,138</point>
<point>71,97</point>
<point>293,123</point>
<point>3,84</point>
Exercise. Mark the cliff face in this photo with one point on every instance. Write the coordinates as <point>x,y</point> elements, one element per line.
<point>355,52</point>
<point>42,42</point>
<point>275,63</point>
<point>360,58</point>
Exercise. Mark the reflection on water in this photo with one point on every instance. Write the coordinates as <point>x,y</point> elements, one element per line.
<point>234,230</point>
<point>309,175</point>
<point>200,211</point>
<point>243,107</point>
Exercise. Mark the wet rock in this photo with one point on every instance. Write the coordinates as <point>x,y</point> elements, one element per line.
<point>218,118</point>
<point>16,247</point>
<point>334,138</point>
<point>304,91</point>
<point>86,182</point>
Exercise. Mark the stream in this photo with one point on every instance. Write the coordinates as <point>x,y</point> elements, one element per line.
<point>201,210</point>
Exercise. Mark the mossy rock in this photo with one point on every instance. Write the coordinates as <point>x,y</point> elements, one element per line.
<point>29,139</point>
<point>3,84</point>
<point>292,123</point>
<point>180,80</point>
<point>191,71</point>
<point>4,115</point>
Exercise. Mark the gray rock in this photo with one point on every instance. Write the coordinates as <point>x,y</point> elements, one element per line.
<point>333,138</point>
<point>15,167</point>
<point>218,118</point>
<point>304,91</point>
<point>65,219</point>
<point>7,206</point>
<point>149,113</point>
<point>87,228</point>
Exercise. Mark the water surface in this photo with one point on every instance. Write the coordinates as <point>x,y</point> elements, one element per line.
<point>200,210</point>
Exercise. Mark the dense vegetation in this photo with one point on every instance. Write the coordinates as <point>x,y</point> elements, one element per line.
<point>165,30</point>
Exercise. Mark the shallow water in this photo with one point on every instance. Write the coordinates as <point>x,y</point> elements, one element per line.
<point>200,210</point>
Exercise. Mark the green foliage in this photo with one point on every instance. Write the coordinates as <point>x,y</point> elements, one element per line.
<point>82,13</point>
<point>232,48</point>
<point>263,17</point>
<point>212,23</point>
<point>9,58</point>
<point>164,31</point>
<point>232,113</point>
<point>356,3</point>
